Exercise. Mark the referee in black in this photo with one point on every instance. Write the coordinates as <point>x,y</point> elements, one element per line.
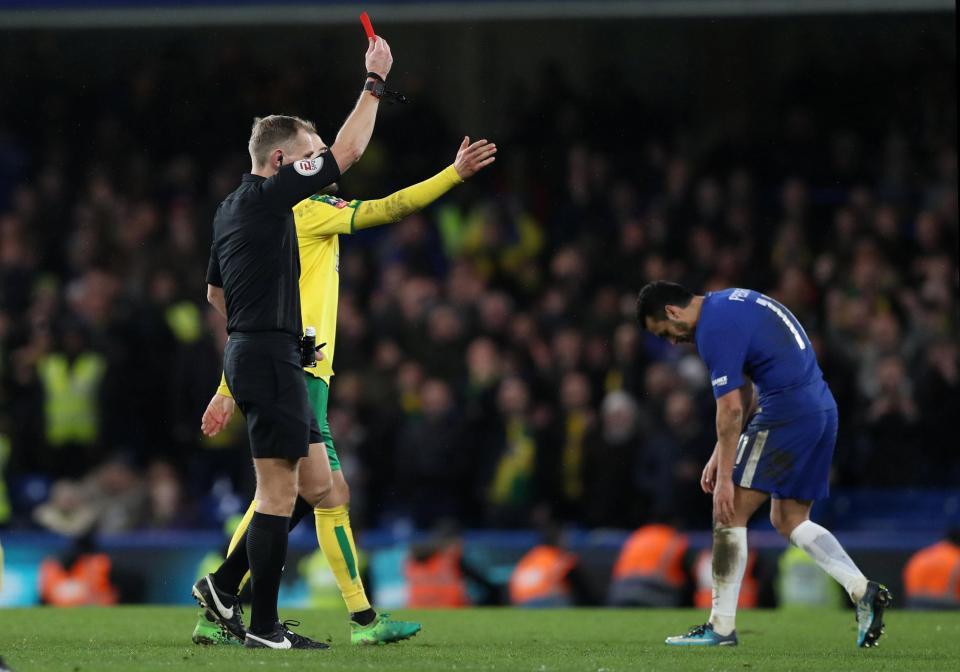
<point>255,259</point>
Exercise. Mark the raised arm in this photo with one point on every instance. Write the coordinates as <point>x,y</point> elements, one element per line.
<point>305,173</point>
<point>354,135</point>
<point>471,158</point>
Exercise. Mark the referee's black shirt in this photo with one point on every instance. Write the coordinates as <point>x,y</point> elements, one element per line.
<point>254,255</point>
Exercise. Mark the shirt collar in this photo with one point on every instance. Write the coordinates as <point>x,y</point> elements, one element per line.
<point>249,177</point>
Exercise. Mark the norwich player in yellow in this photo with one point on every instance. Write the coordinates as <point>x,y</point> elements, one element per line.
<point>323,489</point>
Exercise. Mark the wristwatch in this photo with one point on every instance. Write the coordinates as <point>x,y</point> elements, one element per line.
<point>375,87</point>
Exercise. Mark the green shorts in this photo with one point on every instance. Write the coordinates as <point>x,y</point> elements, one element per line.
<point>319,392</point>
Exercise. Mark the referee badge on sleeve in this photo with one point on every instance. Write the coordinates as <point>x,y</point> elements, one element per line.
<point>308,167</point>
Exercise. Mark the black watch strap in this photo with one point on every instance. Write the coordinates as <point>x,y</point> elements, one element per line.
<point>377,88</point>
<point>373,75</point>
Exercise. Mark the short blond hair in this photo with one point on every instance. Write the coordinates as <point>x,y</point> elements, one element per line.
<point>270,132</point>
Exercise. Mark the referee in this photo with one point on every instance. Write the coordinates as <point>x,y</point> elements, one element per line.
<point>255,255</point>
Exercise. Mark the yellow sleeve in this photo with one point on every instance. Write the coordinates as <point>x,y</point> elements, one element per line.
<point>323,215</point>
<point>223,389</point>
<point>399,204</point>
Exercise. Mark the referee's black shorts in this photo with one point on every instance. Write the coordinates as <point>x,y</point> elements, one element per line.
<point>264,375</point>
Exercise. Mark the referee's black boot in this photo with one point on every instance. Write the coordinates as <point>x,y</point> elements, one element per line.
<point>282,638</point>
<point>224,607</point>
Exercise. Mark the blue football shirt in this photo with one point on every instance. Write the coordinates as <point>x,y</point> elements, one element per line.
<point>745,333</point>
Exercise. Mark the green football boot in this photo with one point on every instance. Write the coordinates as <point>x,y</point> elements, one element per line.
<point>208,633</point>
<point>382,630</point>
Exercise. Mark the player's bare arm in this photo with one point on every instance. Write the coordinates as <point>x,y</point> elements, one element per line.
<point>283,150</point>
<point>729,425</point>
<point>748,400</point>
<point>354,135</point>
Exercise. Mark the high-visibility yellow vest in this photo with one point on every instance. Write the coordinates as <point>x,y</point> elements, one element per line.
<point>801,582</point>
<point>185,321</point>
<point>71,403</point>
<point>321,583</point>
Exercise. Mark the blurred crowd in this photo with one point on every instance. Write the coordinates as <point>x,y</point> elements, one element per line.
<point>489,366</point>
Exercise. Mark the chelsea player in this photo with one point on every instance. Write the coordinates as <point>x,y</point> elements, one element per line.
<point>776,430</point>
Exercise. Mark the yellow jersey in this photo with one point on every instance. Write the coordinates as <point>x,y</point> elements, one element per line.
<point>320,220</point>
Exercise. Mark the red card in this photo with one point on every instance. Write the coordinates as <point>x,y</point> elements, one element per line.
<point>367,26</point>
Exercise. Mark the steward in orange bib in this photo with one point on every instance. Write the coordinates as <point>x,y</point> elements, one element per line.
<point>85,583</point>
<point>435,577</point>
<point>649,571</point>
<point>542,578</point>
<point>932,576</point>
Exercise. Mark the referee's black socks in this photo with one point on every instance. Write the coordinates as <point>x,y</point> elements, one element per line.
<point>301,509</point>
<point>230,574</point>
<point>231,571</point>
<point>267,551</point>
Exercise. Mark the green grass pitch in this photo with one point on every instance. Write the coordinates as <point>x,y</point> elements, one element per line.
<point>589,640</point>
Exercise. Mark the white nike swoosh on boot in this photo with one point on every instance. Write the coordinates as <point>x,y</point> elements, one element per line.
<point>222,610</point>
<point>285,644</point>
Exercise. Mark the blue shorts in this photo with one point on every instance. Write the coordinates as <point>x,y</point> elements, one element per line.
<point>789,460</point>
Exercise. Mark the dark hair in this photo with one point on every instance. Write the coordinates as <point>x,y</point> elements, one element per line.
<point>656,296</point>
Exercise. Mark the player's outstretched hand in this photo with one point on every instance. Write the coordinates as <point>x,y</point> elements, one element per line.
<point>379,59</point>
<point>218,414</point>
<point>471,159</point>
